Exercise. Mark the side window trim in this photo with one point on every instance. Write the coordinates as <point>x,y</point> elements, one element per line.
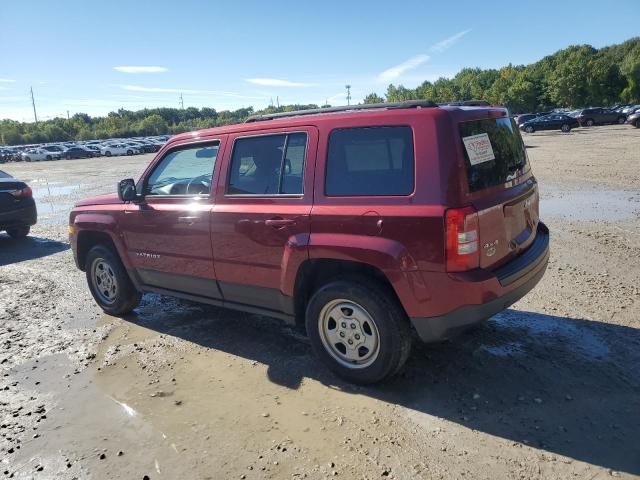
<point>282,161</point>
<point>142,186</point>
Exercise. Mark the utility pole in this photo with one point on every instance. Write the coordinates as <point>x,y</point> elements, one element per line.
<point>67,114</point>
<point>278,101</point>
<point>33,102</point>
<point>181,102</point>
<point>348,87</point>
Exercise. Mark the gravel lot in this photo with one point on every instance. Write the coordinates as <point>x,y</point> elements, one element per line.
<point>548,389</point>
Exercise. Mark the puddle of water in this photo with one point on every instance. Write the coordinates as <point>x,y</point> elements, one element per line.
<point>51,190</point>
<point>545,329</point>
<point>591,205</point>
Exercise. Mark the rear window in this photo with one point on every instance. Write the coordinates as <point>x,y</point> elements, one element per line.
<point>494,152</point>
<point>372,161</point>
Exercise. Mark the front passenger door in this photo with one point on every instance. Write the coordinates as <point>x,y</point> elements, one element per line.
<point>167,236</point>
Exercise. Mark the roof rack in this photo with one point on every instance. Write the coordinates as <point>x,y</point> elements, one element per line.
<point>467,103</point>
<point>346,108</point>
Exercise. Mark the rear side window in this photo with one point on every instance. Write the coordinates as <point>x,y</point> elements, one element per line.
<point>494,152</point>
<point>268,165</point>
<point>372,161</point>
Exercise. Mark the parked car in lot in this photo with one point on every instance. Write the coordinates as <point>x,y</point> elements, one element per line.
<point>555,121</point>
<point>17,207</point>
<point>38,154</point>
<point>352,222</point>
<point>599,116</point>
<point>634,119</point>
<point>118,149</point>
<point>77,152</point>
<point>94,150</point>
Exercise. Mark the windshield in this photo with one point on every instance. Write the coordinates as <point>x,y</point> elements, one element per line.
<point>494,152</point>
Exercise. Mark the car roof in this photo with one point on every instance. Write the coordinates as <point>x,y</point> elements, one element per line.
<point>342,115</point>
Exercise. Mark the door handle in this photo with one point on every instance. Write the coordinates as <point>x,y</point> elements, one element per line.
<point>187,220</point>
<point>278,223</point>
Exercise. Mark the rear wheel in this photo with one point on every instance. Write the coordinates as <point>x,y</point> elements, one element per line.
<point>27,159</point>
<point>358,329</point>
<point>129,152</point>
<point>529,129</point>
<point>107,153</point>
<point>109,282</point>
<point>590,123</point>
<point>19,232</point>
<point>566,128</point>
<point>48,157</point>
<point>621,120</point>
<point>637,123</point>
<point>67,156</point>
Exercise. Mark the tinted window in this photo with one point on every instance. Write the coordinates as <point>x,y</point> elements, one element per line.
<point>507,149</point>
<point>186,171</point>
<point>370,162</point>
<point>268,165</point>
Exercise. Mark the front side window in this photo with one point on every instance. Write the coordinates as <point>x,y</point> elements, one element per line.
<point>372,161</point>
<point>268,165</point>
<point>186,171</point>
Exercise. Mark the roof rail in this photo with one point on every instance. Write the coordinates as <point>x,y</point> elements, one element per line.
<point>467,103</point>
<point>346,108</point>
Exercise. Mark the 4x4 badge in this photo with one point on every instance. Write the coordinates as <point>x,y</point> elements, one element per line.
<point>490,248</point>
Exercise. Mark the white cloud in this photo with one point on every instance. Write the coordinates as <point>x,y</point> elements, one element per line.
<point>276,82</point>
<point>6,80</point>
<point>140,69</point>
<point>442,45</point>
<point>188,91</point>
<point>394,72</point>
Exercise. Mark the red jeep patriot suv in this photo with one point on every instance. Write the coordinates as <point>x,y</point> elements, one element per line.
<point>363,223</point>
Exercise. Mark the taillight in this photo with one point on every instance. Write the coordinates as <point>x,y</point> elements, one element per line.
<point>461,233</point>
<point>23,193</point>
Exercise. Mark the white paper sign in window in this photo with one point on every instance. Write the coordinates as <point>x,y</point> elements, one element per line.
<point>478,148</point>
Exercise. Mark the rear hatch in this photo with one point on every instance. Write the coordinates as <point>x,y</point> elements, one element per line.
<point>7,200</point>
<point>500,187</point>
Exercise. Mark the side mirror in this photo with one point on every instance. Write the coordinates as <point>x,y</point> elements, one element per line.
<point>127,190</point>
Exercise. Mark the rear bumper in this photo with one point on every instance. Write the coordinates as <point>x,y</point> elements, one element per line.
<point>25,216</point>
<point>516,278</point>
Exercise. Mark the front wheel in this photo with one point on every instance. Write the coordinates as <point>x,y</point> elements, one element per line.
<point>358,329</point>
<point>529,129</point>
<point>19,232</point>
<point>109,282</point>
<point>129,152</point>
<point>637,123</point>
<point>621,120</point>
<point>590,123</point>
<point>68,157</point>
<point>566,128</point>
<point>107,153</point>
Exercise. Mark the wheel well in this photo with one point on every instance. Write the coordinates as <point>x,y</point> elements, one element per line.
<point>315,273</point>
<point>89,239</point>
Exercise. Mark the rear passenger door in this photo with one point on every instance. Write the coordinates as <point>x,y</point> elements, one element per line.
<point>260,220</point>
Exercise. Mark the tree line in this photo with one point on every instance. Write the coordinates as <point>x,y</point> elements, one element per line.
<point>577,76</point>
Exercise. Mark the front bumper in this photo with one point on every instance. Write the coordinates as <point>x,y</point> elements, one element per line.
<point>24,216</point>
<point>524,272</point>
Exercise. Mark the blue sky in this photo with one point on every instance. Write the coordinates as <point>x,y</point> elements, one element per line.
<point>232,54</point>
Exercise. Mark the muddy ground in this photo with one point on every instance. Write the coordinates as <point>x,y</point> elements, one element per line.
<point>549,389</point>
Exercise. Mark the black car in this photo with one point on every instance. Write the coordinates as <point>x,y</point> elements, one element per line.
<point>600,116</point>
<point>17,207</point>
<point>555,121</point>
<point>77,152</point>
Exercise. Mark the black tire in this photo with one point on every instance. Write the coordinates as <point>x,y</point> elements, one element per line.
<point>529,129</point>
<point>107,153</point>
<point>388,316</point>
<point>637,123</point>
<point>27,159</point>
<point>48,157</point>
<point>566,128</point>
<point>126,296</point>
<point>18,232</point>
<point>129,152</point>
<point>589,123</point>
<point>67,156</point>
<point>621,120</point>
